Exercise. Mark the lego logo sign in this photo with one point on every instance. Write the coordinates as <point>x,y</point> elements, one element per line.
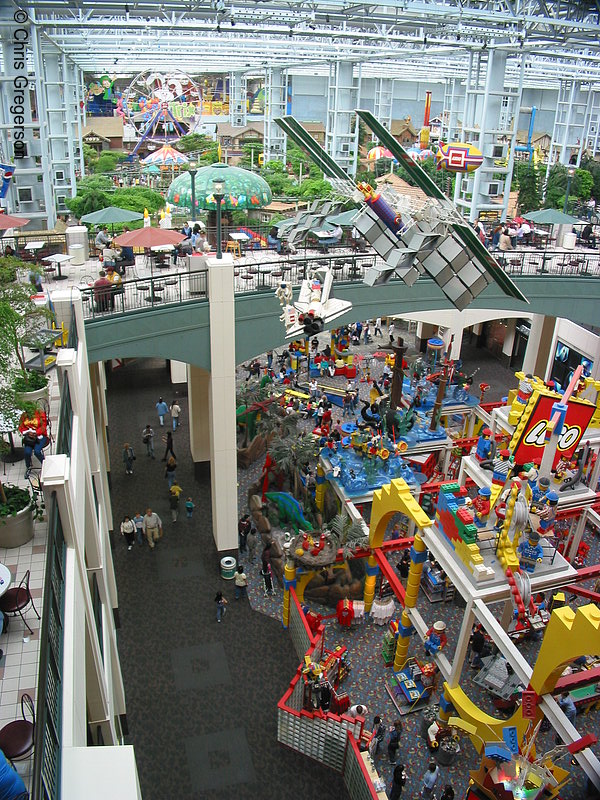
<point>528,441</point>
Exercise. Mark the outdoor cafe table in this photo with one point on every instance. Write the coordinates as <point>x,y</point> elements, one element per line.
<point>59,259</point>
<point>5,579</point>
<point>34,246</point>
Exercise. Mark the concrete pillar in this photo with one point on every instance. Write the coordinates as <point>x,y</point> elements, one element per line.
<point>238,101</point>
<point>198,393</point>
<point>221,402</point>
<point>425,331</point>
<point>539,343</point>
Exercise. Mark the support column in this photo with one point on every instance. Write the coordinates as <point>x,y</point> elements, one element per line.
<point>341,135</point>
<point>321,484</point>
<point>509,341</point>
<point>289,582</point>
<point>238,100</point>
<point>462,646</point>
<point>418,554</point>
<point>537,352</point>
<point>370,581</point>
<point>275,140</point>
<point>199,420</point>
<point>223,450</point>
<point>384,98</point>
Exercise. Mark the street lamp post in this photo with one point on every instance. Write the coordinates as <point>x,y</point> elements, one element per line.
<point>192,170</point>
<point>570,174</point>
<point>219,193</point>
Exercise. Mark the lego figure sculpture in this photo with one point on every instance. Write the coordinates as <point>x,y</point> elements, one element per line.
<point>436,638</point>
<point>546,511</point>
<point>486,446</point>
<point>481,507</point>
<point>530,552</point>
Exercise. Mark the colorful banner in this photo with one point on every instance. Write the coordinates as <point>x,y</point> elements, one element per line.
<point>6,173</point>
<point>530,443</point>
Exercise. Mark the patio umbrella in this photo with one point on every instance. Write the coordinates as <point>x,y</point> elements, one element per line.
<point>551,216</point>
<point>149,237</point>
<point>344,219</point>
<point>111,216</point>
<point>243,189</point>
<point>7,221</point>
<point>379,152</point>
<point>151,170</point>
<point>166,156</point>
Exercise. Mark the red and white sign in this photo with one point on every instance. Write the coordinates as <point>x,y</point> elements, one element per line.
<point>530,445</point>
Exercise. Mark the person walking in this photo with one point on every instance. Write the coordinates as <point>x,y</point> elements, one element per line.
<point>221,603</point>
<point>171,471</point>
<point>128,531</point>
<point>244,526</point>
<point>377,331</point>
<point>189,507</point>
<point>399,779</point>
<point>148,440</point>
<point>391,329</point>
<point>477,647</point>
<point>162,409</point>
<point>174,502</point>
<point>378,735</point>
<point>429,780</point>
<point>139,527</point>
<point>175,412</point>
<point>241,583</point>
<point>152,527</point>
<point>128,458</point>
<point>267,576</point>
<point>394,741</point>
<point>252,542</point>
<point>168,440</point>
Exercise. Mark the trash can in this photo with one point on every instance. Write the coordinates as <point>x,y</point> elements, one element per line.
<point>569,241</point>
<point>76,253</point>
<point>228,565</point>
<point>78,234</point>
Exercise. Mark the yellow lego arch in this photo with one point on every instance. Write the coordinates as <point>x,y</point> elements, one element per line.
<point>488,728</point>
<point>392,498</point>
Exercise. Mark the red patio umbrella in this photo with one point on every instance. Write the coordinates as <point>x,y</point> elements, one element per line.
<point>149,237</point>
<point>7,221</point>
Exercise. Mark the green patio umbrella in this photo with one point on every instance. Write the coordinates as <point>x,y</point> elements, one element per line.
<point>344,219</point>
<point>243,189</point>
<point>111,216</point>
<point>151,170</point>
<point>550,216</point>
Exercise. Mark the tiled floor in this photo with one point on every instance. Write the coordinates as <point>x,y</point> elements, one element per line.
<point>19,663</point>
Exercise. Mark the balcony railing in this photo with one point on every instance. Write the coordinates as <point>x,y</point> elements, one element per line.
<point>48,734</point>
<point>263,275</point>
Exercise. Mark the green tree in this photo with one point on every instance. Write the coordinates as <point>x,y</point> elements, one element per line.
<point>108,160</point>
<point>251,151</point>
<point>90,158</point>
<point>314,188</point>
<point>87,201</point>
<point>292,452</point>
<point>137,198</point>
<point>195,143</point>
<point>529,188</point>
<point>593,167</point>
<point>276,176</point>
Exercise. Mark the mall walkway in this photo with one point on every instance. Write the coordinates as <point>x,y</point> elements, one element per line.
<point>201,697</point>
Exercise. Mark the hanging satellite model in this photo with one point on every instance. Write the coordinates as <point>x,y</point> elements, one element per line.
<point>433,239</point>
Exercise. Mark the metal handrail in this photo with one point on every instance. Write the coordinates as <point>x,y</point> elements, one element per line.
<point>261,275</point>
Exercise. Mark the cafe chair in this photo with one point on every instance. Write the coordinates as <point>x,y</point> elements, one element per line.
<point>17,600</point>
<point>17,738</point>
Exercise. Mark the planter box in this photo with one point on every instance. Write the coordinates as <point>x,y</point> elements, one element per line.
<point>17,530</point>
<point>33,397</point>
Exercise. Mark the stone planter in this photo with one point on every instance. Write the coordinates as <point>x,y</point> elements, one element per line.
<point>17,530</point>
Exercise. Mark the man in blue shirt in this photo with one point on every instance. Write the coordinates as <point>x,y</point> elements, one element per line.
<point>162,409</point>
<point>430,780</point>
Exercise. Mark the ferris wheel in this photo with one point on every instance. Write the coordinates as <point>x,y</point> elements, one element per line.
<point>162,107</point>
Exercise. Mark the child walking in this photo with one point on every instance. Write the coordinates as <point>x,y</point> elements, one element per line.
<point>221,603</point>
<point>189,507</point>
<point>139,527</point>
<point>267,576</point>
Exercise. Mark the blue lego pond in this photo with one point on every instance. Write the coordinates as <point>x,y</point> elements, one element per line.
<point>359,474</point>
<point>456,395</point>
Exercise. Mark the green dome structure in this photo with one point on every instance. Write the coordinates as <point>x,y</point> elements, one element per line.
<point>243,189</point>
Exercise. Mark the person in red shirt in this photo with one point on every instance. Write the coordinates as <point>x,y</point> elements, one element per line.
<point>103,293</point>
<point>34,429</point>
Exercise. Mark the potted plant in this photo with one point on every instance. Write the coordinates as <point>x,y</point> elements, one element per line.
<point>18,508</point>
